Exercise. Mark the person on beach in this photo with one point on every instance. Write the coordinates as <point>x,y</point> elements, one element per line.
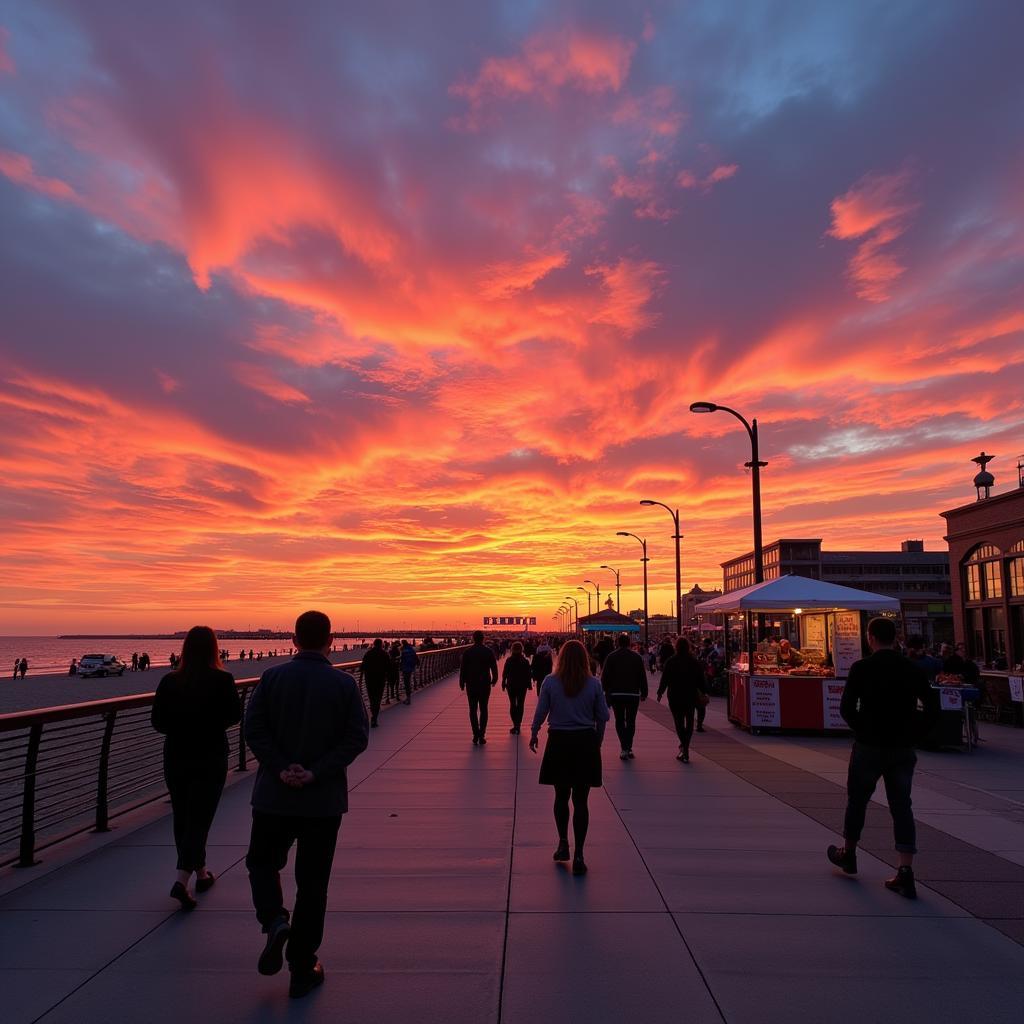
<point>477,674</point>
<point>73,668</point>
<point>374,672</point>
<point>135,661</point>
<point>23,667</point>
<point>409,660</point>
<point>880,704</point>
<point>572,701</point>
<point>624,680</point>
<point>682,677</point>
<point>194,706</point>
<point>305,724</point>
<point>516,678</point>
<point>17,665</point>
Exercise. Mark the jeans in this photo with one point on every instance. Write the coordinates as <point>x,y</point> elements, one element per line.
<point>315,839</point>
<point>625,720</point>
<point>516,705</point>
<point>895,765</point>
<point>682,715</point>
<point>195,785</point>
<point>478,710</point>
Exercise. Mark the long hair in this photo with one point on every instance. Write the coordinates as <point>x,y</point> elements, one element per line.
<point>200,650</point>
<point>684,648</point>
<point>573,667</point>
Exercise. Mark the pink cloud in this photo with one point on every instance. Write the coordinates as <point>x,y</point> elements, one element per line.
<point>20,170</point>
<point>723,172</point>
<point>876,210</point>
<point>6,60</point>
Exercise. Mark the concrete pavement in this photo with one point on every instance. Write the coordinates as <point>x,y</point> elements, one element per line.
<point>708,899</point>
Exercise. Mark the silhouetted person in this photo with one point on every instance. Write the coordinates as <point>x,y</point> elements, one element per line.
<point>541,665</point>
<point>135,661</point>
<point>603,648</point>
<point>624,680</point>
<point>17,665</point>
<point>23,667</point>
<point>394,670</point>
<point>374,671</point>
<point>515,681</point>
<point>409,660</point>
<point>477,674</point>
<point>572,701</point>
<point>305,724</point>
<point>956,663</point>
<point>73,668</point>
<point>880,704</point>
<point>924,661</point>
<point>193,707</point>
<point>144,662</point>
<point>682,676</point>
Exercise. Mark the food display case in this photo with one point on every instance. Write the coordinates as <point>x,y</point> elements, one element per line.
<point>792,641</point>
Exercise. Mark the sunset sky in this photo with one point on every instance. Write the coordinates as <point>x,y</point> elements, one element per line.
<point>396,309</point>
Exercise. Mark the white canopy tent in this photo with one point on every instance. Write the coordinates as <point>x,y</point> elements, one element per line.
<point>788,593</point>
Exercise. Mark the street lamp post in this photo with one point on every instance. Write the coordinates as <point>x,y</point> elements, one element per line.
<point>754,465</point>
<point>598,586</point>
<point>569,597</point>
<point>618,587</point>
<point>643,544</point>
<point>586,590</point>
<point>677,536</point>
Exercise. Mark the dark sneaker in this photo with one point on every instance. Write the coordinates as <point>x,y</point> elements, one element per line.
<point>579,866</point>
<point>843,858</point>
<point>562,853</point>
<point>272,957</point>
<point>631,754</point>
<point>304,982</point>
<point>903,883</point>
<point>482,741</point>
<point>476,740</point>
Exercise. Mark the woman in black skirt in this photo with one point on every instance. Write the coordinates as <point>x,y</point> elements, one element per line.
<point>683,678</point>
<point>572,701</point>
<point>194,706</point>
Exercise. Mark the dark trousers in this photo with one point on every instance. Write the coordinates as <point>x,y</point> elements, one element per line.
<point>478,709</point>
<point>195,785</point>
<point>682,715</point>
<point>516,704</point>
<point>625,720</point>
<point>407,676</point>
<point>315,839</point>
<point>393,686</point>
<point>895,765</point>
<point>375,691</point>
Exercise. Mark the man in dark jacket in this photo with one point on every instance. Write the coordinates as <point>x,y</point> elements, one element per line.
<point>880,704</point>
<point>624,679</point>
<point>374,672</point>
<point>305,724</point>
<point>477,674</point>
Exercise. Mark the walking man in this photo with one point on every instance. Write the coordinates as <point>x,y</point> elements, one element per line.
<point>624,680</point>
<point>880,704</point>
<point>410,659</point>
<point>374,673</point>
<point>477,674</point>
<point>305,724</point>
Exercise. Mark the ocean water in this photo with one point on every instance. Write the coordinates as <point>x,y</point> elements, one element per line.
<point>49,654</point>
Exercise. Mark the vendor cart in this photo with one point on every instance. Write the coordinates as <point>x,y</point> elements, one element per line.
<point>793,640</point>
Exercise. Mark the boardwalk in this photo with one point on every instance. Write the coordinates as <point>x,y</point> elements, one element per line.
<point>708,898</point>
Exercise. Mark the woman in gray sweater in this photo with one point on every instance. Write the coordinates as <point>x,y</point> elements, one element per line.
<point>572,701</point>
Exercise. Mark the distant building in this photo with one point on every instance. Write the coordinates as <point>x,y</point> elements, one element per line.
<point>986,551</point>
<point>919,579</point>
<point>693,599</point>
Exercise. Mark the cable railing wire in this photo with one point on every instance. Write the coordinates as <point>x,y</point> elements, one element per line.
<point>72,769</point>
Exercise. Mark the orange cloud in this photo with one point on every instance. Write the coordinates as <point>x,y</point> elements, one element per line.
<point>875,207</point>
<point>20,170</point>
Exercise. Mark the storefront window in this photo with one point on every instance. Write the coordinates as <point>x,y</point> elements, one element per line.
<point>975,633</point>
<point>993,580</point>
<point>995,634</point>
<point>1015,571</point>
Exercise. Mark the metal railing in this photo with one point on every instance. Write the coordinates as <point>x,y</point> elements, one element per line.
<point>72,769</point>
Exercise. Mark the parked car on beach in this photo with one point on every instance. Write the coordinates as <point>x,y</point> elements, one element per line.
<point>101,665</point>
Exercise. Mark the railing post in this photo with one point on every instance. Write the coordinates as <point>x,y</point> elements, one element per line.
<point>27,852</point>
<point>102,809</point>
<point>241,766</point>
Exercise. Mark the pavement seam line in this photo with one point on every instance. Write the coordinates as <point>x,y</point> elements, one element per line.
<point>508,892</point>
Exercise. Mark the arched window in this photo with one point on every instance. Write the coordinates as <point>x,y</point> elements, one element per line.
<point>983,576</point>
<point>1015,570</point>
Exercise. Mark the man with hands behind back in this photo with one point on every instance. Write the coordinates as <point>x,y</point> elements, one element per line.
<point>305,724</point>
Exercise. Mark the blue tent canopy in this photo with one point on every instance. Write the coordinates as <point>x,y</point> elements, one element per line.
<point>609,627</point>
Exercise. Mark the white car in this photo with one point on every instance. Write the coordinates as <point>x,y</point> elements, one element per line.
<point>101,665</point>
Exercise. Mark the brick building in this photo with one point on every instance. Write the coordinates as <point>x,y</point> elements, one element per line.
<point>986,552</point>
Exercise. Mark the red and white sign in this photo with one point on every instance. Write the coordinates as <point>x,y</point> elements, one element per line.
<point>831,697</point>
<point>950,698</point>
<point>764,703</point>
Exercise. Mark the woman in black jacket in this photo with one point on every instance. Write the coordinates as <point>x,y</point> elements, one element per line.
<point>516,676</point>
<point>683,677</point>
<point>194,706</point>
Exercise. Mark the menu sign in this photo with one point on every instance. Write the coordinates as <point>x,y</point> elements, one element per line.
<point>814,632</point>
<point>764,703</point>
<point>831,697</point>
<point>846,639</point>
<point>1017,689</point>
<point>950,698</point>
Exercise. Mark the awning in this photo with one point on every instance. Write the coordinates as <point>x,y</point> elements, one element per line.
<point>616,627</point>
<point>790,592</point>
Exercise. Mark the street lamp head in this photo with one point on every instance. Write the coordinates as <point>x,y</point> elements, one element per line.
<point>591,582</point>
<point>703,407</point>
<point>606,567</point>
<point>622,533</point>
<point>584,589</point>
<point>647,501</point>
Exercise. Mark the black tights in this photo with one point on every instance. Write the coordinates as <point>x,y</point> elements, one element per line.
<point>580,814</point>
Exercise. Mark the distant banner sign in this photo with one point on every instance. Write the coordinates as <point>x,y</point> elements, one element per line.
<point>1017,688</point>
<point>510,620</point>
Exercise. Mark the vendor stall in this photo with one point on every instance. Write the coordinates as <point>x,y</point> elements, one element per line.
<point>797,638</point>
